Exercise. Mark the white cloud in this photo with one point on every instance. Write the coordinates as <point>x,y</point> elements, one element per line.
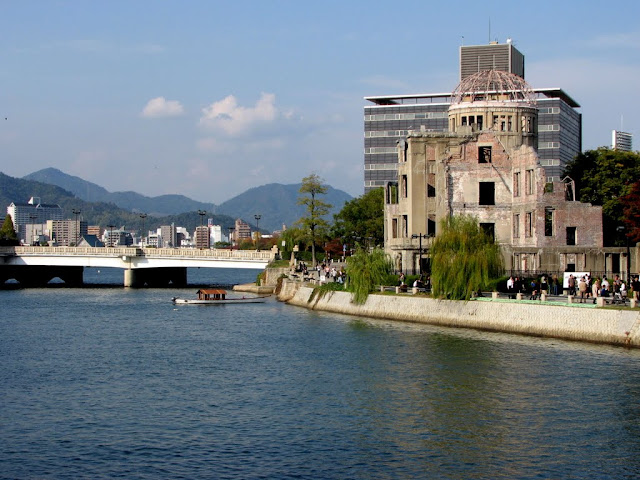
<point>615,40</point>
<point>229,117</point>
<point>161,107</point>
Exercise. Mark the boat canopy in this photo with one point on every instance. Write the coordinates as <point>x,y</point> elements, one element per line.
<point>212,294</point>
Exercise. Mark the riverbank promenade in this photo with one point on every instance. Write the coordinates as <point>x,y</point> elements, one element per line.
<point>557,319</point>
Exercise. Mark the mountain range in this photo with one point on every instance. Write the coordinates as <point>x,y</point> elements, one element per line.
<point>275,203</point>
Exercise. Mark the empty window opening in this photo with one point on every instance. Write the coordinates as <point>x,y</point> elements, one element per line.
<point>487,193</point>
<point>548,222</point>
<point>528,224</point>
<point>528,178</point>
<point>394,228</point>
<point>392,193</point>
<point>431,225</point>
<point>484,154</point>
<point>431,185</point>
<point>516,225</point>
<point>516,184</point>
<point>615,262</point>
<point>405,188</point>
<point>489,230</point>
<point>571,235</point>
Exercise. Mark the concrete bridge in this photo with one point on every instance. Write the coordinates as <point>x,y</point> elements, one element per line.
<point>35,266</point>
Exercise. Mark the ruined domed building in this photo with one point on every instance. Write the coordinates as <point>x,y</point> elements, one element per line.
<point>486,165</point>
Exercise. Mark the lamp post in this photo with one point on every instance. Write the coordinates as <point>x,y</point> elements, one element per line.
<point>76,212</point>
<point>231,229</point>
<point>257,217</point>
<point>622,229</point>
<point>111,227</point>
<point>142,216</point>
<point>420,236</point>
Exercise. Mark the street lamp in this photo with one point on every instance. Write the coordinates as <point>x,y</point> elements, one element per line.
<point>420,236</point>
<point>76,212</point>
<point>231,229</point>
<point>142,216</point>
<point>622,229</point>
<point>257,217</point>
<point>111,227</point>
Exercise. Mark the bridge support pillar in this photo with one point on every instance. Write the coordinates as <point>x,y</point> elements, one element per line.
<point>133,278</point>
<point>155,277</point>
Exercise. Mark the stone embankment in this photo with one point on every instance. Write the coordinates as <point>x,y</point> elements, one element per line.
<point>570,322</point>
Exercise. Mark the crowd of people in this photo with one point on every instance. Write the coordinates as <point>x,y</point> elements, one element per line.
<point>326,272</point>
<point>584,286</point>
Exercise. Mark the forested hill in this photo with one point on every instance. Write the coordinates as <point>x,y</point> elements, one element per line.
<point>19,190</point>
<point>275,203</point>
<point>132,201</point>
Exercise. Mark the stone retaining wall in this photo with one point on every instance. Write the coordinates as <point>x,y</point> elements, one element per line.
<point>596,325</point>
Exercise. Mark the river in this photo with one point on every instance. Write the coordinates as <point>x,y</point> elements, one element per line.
<point>108,382</point>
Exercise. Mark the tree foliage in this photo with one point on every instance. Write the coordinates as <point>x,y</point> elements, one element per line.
<point>603,177</point>
<point>362,217</point>
<point>316,209</point>
<point>365,270</point>
<point>631,211</point>
<point>8,235</point>
<point>463,258</point>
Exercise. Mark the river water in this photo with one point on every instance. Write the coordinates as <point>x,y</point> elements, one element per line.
<point>120,383</point>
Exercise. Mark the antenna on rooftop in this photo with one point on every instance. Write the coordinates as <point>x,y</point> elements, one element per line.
<point>489,29</point>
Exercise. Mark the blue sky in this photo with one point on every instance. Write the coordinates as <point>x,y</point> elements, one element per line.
<point>210,98</point>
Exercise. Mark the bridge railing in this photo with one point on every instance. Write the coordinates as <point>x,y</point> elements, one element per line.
<point>208,253</point>
<point>72,251</point>
<point>141,252</point>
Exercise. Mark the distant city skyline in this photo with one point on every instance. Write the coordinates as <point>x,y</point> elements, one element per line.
<point>208,99</point>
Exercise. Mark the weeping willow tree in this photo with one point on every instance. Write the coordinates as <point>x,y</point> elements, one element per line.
<point>463,258</point>
<point>366,270</point>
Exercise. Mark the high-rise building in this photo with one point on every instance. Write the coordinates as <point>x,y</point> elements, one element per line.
<point>392,117</point>
<point>621,141</point>
<point>495,56</point>
<point>66,232</point>
<point>32,213</point>
<point>201,237</point>
<point>242,230</point>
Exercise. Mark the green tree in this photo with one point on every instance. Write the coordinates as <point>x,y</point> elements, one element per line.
<point>463,258</point>
<point>8,235</point>
<point>313,222</point>
<point>631,211</point>
<point>602,177</point>
<point>365,270</point>
<point>362,217</point>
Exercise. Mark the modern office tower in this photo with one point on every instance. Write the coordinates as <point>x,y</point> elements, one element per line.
<point>495,56</point>
<point>390,118</point>
<point>621,141</point>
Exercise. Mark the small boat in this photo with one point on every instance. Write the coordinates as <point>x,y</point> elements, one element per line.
<point>212,296</point>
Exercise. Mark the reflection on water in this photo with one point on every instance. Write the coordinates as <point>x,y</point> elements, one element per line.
<point>103,383</point>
